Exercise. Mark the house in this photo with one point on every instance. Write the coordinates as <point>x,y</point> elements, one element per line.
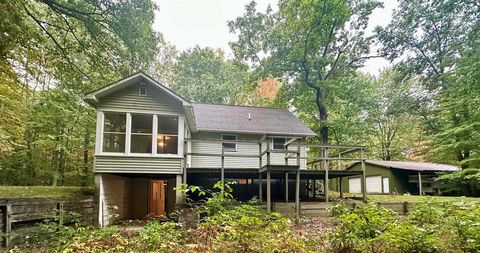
<point>397,177</point>
<point>150,140</point>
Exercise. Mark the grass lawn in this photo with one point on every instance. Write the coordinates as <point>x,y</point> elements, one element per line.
<point>416,198</point>
<point>407,198</point>
<point>43,191</point>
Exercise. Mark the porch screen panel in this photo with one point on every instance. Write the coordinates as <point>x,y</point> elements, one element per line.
<point>167,136</point>
<point>114,128</point>
<point>141,137</point>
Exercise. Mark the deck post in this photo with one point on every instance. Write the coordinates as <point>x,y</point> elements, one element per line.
<point>222,170</point>
<point>314,189</point>
<point>325,187</point>
<point>364,176</point>
<point>297,195</point>
<point>286,187</point>
<point>420,186</point>
<point>8,225</point>
<point>184,179</point>
<point>268,152</point>
<point>340,187</point>
<point>260,155</point>
<point>269,191</point>
<point>260,185</point>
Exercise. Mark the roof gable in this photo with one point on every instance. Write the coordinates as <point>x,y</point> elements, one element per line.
<point>139,77</point>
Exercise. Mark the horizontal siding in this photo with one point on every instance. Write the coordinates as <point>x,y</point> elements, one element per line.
<point>125,164</point>
<point>128,99</point>
<point>242,149</point>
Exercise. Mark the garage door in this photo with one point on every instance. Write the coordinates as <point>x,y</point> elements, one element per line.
<point>374,184</point>
<point>354,185</point>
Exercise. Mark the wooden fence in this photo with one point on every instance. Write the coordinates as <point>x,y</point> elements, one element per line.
<point>20,215</point>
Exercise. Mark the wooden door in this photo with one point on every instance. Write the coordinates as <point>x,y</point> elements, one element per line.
<point>157,197</point>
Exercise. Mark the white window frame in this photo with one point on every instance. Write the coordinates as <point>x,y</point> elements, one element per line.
<point>100,127</point>
<point>273,140</point>
<point>234,143</point>
<point>130,134</point>
<point>140,90</point>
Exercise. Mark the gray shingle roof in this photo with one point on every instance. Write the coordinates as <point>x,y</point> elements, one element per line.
<point>229,118</point>
<point>413,166</point>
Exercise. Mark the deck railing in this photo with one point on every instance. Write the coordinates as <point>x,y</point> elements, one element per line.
<point>323,161</point>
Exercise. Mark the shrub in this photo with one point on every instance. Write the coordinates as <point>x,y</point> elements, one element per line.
<point>359,228</point>
<point>405,237</point>
<point>162,236</point>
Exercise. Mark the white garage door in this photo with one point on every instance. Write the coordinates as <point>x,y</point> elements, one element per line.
<point>354,185</point>
<point>374,184</point>
<point>386,185</point>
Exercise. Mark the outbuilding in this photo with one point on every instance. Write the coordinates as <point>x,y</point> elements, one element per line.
<point>397,177</point>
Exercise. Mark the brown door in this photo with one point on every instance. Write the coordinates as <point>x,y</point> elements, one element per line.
<point>157,197</point>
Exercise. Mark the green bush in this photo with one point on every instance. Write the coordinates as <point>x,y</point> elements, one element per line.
<point>162,236</point>
<point>432,227</point>
<point>359,228</point>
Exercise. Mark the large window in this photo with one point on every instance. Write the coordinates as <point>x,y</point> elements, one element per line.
<point>141,138</point>
<point>278,143</point>
<point>229,146</point>
<point>167,135</point>
<point>114,127</point>
<point>138,132</point>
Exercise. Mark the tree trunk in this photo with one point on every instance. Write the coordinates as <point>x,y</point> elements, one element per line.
<point>323,116</point>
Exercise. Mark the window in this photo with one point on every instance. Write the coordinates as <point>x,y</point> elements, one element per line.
<point>142,91</point>
<point>141,138</point>
<point>278,143</point>
<point>229,146</point>
<point>245,181</point>
<point>167,135</point>
<point>114,127</point>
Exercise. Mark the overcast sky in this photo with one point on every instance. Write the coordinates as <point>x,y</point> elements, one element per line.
<point>187,23</point>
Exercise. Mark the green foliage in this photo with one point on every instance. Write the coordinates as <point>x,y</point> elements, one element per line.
<point>203,75</point>
<point>162,237</point>
<point>328,45</point>
<point>44,191</point>
<point>360,228</point>
<point>465,182</point>
<point>432,227</point>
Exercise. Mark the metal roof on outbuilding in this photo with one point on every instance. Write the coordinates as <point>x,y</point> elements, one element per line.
<point>412,166</point>
<point>248,119</point>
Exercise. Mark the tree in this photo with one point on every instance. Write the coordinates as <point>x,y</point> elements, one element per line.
<point>76,43</point>
<point>394,127</point>
<point>203,75</point>
<point>459,115</point>
<point>264,93</point>
<point>429,39</point>
<point>308,43</point>
<point>51,53</point>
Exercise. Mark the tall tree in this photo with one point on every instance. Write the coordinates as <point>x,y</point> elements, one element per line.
<point>76,43</point>
<point>308,43</point>
<point>204,75</point>
<point>428,39</point>
<point>394,126</point>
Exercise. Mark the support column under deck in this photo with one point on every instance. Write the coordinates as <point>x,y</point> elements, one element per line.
<point>260,186</point>
<point>297,195</point>
<point>269,192</point>
<point>420,190</point>
<point>286,187</point>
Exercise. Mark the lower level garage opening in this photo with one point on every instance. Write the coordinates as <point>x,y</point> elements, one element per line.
<point>125,197</point>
